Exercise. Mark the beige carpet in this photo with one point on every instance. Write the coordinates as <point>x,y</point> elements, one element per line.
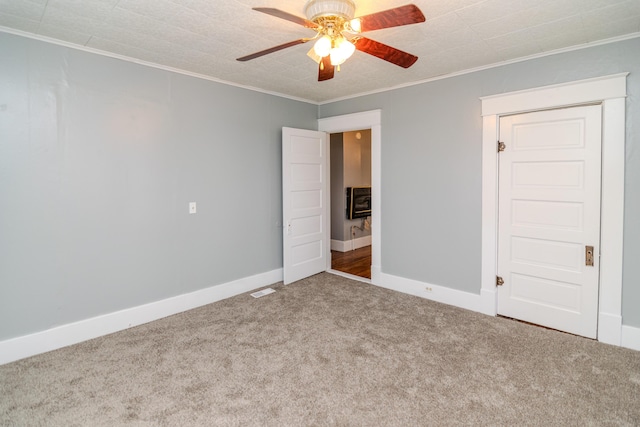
<point>326,351</point>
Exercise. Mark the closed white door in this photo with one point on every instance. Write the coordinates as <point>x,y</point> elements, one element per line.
<point>305,200</point>
<point>549,218</point>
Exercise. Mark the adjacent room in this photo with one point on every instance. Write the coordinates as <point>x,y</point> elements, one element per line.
<point>350,176</point>
<point>322,212</point>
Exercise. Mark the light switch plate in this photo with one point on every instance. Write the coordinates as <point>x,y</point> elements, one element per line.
<point>192,207</point>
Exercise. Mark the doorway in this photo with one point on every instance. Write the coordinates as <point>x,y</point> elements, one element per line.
<point>365,120</point>
<point>610,92</point>
<point>350,171</point>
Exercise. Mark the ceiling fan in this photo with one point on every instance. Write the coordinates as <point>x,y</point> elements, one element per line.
<point>338,33</point>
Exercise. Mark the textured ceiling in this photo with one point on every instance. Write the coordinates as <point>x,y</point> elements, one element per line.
<point>205,36</point>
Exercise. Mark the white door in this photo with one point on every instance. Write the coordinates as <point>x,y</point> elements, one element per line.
<point>305,200</point>
<point>549,217</point>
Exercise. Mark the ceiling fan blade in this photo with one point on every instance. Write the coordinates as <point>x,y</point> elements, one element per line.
<point>325,69</point>
<point>287,16</point>
<point>403,15</point>
<point>272,49</point>
<point>388,53</point>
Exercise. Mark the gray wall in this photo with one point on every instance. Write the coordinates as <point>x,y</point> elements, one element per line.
<point>98,161</point>
<point>357,173</point>
<point>336,153</point>
<point>431,155</point>
<point>99,158</point>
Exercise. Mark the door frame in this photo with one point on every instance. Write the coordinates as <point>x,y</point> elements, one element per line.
<point>610,91</point>
<point>357,121</point>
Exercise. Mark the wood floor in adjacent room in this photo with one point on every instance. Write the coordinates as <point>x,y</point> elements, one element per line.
<point>356,262</point>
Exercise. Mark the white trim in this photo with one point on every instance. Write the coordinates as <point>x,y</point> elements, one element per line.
<point>73,333</point>
<point>309,101</point>
<point>612,213</point>
<point>366,120</point>
<point>431,292</point>
<point>350,276</point>
<point>489,235</point>
<point>631,337</point>
<point>350,122</point>
<point>609,326</point>
<point>487,67</point>
<point>349,245</point>
<point>338,245</point>
<point>611,92</point>
<point>149,64</point>
<point>573,93</point>
<point>376,273</point>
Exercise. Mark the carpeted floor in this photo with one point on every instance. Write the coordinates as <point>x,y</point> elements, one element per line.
<point>326,351</point>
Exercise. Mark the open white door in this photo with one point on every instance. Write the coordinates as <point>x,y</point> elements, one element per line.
<point>305,203</point>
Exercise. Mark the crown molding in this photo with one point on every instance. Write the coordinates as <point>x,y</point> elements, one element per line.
<point>310,101</point>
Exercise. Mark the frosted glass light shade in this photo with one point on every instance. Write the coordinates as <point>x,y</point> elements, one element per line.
<point>343,50</point>
<point>322,46</point>
<point>317,8</point>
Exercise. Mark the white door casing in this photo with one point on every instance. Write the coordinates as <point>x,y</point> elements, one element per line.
<point>305,203</point>
<point>366,120</point>
<point>610,91</point>
<point>549,212</point>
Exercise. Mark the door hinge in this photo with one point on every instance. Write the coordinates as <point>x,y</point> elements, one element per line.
<point>501,146</point>
<point>499,281</point>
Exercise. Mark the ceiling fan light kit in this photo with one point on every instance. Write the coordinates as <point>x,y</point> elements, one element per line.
<point>323,46</point>
<point>338,33</point>
<point>342,51</point>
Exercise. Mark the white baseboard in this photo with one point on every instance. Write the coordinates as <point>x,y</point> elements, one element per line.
<point>73,333</point>
<point>376,272</point>
<point>610,328</point>
<point>489,301</point>
<point>437,293</point>
<point>349,245</point>
<point>337,245</point>
<point>630,337</point>
<point>349,276</point>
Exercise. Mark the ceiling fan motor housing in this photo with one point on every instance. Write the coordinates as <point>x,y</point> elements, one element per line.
<point>315,9</point>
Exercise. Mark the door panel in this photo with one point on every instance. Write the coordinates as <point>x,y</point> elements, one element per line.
<point>549,210</point>
<point>534,136</point>
<point>305,203</point>
<point>534,290</point>
<point>547,254</point>
<point>567,216</point>
<point>548,175</point>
